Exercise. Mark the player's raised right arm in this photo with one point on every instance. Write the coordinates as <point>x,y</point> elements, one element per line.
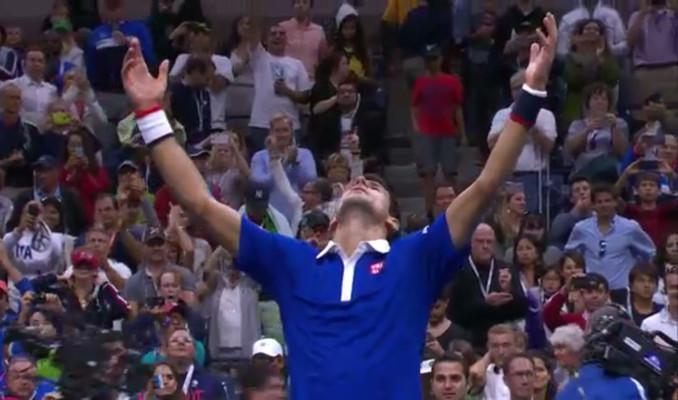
<point>146,94</point>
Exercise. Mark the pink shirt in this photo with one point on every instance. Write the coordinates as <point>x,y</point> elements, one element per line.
<point>305,42</point>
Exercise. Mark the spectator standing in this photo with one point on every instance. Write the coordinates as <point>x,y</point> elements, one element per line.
<point>611,244</point>
<point>350,38</point>
<point>46,184</point>
<point>9,58</point>
<point>305,40</point>
<point>580,198</point>
<point>36,94</point>
<point>588,62</point>
<point>81,171</point>
<point>521,13</point>
<point>227,168</point>
<point>191,100</point>
<point>106,48</point>
<point>166,16</point>
<point>666,320</point>
<point>240,94</point>
<point>84,106</point>
<point>643,283</point>
<point>599,139</point>
<point>258,209</point>
<point>531,167</point>
<point>592,9</point>
<point>280,84</point>
<point>71,53</point>
<point>509,215</point>
<point>438,117</point>
<point>485,291</point>
<point>17,138</point>
<point>299,165</point>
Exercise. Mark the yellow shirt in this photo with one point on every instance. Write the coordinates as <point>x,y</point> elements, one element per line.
<point>396,10</point>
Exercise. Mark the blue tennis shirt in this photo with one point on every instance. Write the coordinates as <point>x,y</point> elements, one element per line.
<point>355,327</point>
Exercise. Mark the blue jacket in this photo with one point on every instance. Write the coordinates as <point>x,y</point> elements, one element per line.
<point>597,385</point>
<point>103,56</point>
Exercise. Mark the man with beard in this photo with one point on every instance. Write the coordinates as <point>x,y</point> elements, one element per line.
<point>354,313</point>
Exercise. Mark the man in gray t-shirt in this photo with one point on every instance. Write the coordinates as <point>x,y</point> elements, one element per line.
<point>143,285</point>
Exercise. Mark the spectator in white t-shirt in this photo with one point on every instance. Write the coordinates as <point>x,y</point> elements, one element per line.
<point>534,158</point>
<point>666,320</point>
<point>280,84</point>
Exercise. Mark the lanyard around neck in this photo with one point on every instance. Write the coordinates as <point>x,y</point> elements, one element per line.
<point>189,377</point>
<point>486,288</point>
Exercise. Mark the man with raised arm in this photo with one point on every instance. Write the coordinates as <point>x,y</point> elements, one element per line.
<point>354,313</point>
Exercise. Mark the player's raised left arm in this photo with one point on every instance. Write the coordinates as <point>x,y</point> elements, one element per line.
<point>464,212</point>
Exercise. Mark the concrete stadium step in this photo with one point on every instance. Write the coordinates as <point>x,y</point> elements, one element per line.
<point>397,173</point>
<point>411,205</point>
<point>407,188</point>
<point>400,155</point>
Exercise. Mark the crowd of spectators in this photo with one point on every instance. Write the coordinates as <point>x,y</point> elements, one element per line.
<point>94,238</point>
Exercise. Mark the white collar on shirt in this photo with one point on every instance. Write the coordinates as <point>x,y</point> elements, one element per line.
<point>380,246</point>
<point>32,81</point>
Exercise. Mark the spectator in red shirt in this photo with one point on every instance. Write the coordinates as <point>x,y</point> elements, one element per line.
<point>81,170</point>
<point>438,121</point>
<point>655,218</point>
<point>587,293</point>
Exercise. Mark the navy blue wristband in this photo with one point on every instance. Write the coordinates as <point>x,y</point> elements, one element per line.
<point>526,108</point>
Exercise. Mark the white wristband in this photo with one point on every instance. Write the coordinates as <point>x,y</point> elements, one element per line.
<point>534,92</point>
<point>154,126</point>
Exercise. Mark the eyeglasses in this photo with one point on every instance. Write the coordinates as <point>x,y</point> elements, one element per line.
<point>602,248</point>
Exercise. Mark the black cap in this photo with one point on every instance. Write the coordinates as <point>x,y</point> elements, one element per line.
<point>195,151</point>
<point>592,281</point>
<point>432,51</point>
<point>315,219</point>
<point>127,164</point>
<point>46,162</point>
<point>153,232</point>
<point>256,197</point>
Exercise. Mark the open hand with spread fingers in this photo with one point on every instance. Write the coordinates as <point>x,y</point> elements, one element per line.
<point>144,90</point>
<point>542,55</point>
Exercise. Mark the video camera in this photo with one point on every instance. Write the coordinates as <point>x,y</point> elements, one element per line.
<point>622,349</point>
<point>85,361</point>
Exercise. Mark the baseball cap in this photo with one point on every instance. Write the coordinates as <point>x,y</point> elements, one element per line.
<point>256,197</point>
<point>127,165</point>
<point>592,281</point>
<point>315,219</point>
<point>153,232</point>
<point>81,256</point>
<point>195,151</point>
<point>46,162</point>
<point>268,347</point>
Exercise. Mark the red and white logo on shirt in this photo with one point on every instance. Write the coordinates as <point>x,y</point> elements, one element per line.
<point>376,268</point>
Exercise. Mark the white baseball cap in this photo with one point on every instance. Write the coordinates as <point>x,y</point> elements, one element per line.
<point>269,347</point>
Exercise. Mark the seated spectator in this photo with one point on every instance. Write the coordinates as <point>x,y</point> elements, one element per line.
<point>258,209</point>
<point>6,206</point>
<point>550,283</point>
<point>15,40</point>
<point>220,76</point>
<point>592,9</point>
<point>643,283</point>
<point>340,170</point>
<point>167,16</point>
<point>280,84</point>
<point>305,40</point>
<point>269,353</point>
<point>17,138</point>
<point>485,291</point>
<point>587,292</point>
<point>568,343</point>
<point>654,217</point>
<point>81,171</point>
<point>53,216</point>
<point>190,99</point>
<point>570,264</point>
<point>134,193</point>
<point>501,345</point>
<point>80,97</point>
<point>666,320</point>
<point>580,198</point>
<point>437,115</point>
<point>184,247</point>
<point>528,260</point>
<point>599,140</point>
<point>180,354</point>
<point>257,380</point>
<point>36,93</point>
<point>534,225</point>
<point>233,326</point>
<point>164,383</point>
<point>9,58</point>
<point>32,246</point>
<point>610,244</point>
<point>104,53</point>
<point>98,242</point>
<point>298,162</point>
<point>58,12</point>
<point>441,331</point>
<point>444,195</point>
<point>449,375</point>
<point>519,377</point>
<point>324,106</point>
<point>60,121</point>
<point>314,229</point>
<point>589,61</point>
<point>22,383</point>
<point>71,54</point>
<point>545,385</point>
<point>227,170</point>
<point>350,38</point>
<point>141,288</point>
<point>534,158</point>
<point>37,315</point>
<point>46,172</point>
